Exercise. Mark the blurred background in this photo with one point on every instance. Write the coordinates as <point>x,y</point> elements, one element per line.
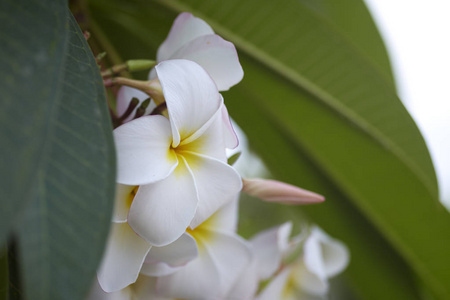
<point>418,40</point>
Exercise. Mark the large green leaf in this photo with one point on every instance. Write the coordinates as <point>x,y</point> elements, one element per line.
<point>376,270</point>
<point>353,20</point>
<point>62,229</point>
<point>324,115</point>
<point>32,36</point>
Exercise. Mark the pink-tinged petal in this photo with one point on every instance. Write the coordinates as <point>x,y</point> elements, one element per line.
<point>191,96</point>
<point>143,150</point>
<point>217,56</point>
<point>276,289</point>
<point>124,96</point>
<point>124,256</point>
<point>276,191</point>
<point>231,138</point>
<point>185,28</point>
<point>124,198</point>
<point>217,184</point>
<point>176,254</point>
<point>197,279</point>
<point>269,247</point>
<point>323,255</point>
<point>231,255</point>
<point>161,211</point>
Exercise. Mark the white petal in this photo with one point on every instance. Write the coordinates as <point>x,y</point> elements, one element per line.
<point>308,281</point>
<point>217,184</point>
<point>225,219</point>
<point>246,285</point>
<point>124,97</point>
<point>161,211</point>
<point>158,269</point>
<point>209,140</point>
<point>231,255</point>
<point>124,197</point>
<point>197,279</point>
<point>143,150</point>
<point>217,56</point>
<point>325,256</point>
<point>125,253</point>
<point>184,29</point>
<point>231,138</point>
<point>276,288</point>
<point>191,96</point>
<point>145,289</point>
<point>269,246</point>
<point>221,260</point>
<point>176,254</point>
<point>96,293</point>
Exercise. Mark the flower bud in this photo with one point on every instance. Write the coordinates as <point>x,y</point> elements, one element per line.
<point>276,191</point>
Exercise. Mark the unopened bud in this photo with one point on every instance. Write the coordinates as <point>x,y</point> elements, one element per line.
<point>280,192</point>
<point>140,64</point>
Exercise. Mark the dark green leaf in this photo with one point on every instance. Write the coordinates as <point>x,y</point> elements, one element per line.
<point>32,36</point>
<point>4,275</point>
<point>62,231</point>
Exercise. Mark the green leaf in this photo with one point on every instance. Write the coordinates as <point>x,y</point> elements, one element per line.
<point>62,230</point>
<point>4,275</point>
<point>31,37</point>
<point>353,21</point>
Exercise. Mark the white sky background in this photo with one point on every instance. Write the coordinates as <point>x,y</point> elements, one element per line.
<point>417,34</point>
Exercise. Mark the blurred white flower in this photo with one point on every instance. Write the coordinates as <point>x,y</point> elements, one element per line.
<point>307,277</point>
<point>268,248</point>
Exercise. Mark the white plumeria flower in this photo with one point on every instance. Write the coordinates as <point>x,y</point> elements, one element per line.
<point>143,289</point>
<point>268,248</point>
<point>193,39</point>
<point>172,173</point>
<point>202,264</point>
<point>307,277</point>
<point>222,257</point>
<point>178,163</point>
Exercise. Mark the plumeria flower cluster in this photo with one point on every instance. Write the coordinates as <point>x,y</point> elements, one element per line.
<point>173,232</point>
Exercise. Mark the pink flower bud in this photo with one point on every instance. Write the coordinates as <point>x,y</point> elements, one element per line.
<point>276,191</point>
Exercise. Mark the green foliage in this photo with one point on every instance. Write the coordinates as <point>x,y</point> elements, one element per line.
<point>58,165</point>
